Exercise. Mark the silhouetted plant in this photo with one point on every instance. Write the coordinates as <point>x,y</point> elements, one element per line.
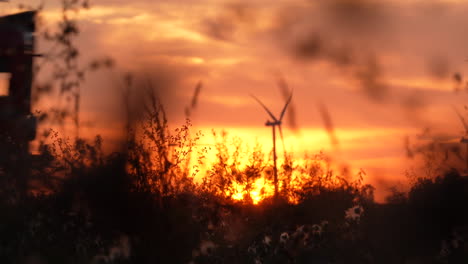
<point>63,60</point>
<point>159,160</point>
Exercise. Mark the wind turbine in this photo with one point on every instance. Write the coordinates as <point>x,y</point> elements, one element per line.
<point>464,139</point>
<point>275,122</point>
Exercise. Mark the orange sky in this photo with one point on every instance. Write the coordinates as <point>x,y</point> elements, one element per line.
<point>383,69</point>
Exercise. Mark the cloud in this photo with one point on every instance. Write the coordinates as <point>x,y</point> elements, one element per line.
<point>328,48</point>
<point>231,19</point>
<point>356,16</point>
<point>371,79</point>
<point>335,41</point>
<point>360,37</point>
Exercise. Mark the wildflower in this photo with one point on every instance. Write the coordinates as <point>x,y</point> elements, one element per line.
<point>223,223</point>
<point>299,233</point>
<point>317,230</point>
<point>354,213</point>
<point>207,247</point>
<point>301,229</point>
<point>284,237</point>
<point>324,223</point>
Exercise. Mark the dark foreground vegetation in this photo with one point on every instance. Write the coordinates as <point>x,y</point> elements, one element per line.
<point>73,204</point>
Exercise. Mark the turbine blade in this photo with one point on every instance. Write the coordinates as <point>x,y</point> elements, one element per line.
<point>285,106</point>
<point>264,107</point>
<point>465,125</point>
<point>282,84</point>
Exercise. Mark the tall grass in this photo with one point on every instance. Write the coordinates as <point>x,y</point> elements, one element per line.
<point>144,204</point>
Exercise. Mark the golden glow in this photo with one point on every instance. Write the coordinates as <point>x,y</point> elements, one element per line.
<point>297,180</point>
<point>233,101</point>
<point>149,24</point>
<point>424,84</point>
<point>227,61</point>
<point>311,141</point>
<point>197,60</point>
<point>260,190</point>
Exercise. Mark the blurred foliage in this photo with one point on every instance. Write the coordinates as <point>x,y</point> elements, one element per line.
<point>142,205</point>
<point>62,60</point>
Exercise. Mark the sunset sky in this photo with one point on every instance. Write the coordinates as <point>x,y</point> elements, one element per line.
<point>383,69</point>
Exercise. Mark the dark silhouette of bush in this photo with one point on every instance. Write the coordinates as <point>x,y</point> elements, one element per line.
<point>429,223</point>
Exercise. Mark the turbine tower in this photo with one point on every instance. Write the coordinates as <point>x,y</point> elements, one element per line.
<point>275,122</point>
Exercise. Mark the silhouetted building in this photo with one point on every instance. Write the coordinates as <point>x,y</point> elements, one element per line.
<point>17,124</point>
